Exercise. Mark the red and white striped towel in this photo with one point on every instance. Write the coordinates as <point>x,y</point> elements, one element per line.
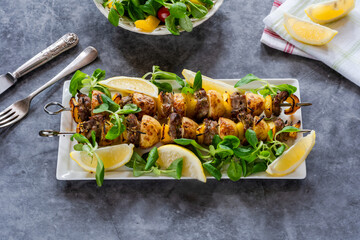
<point>273,40</point>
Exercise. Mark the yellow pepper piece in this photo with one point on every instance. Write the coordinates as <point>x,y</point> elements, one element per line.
<point>147,25</point>
<point>197,2</point>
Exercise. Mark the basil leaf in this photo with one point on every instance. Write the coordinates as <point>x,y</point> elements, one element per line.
<point>243,151</point>
<point>186,23</point>
<point>102,108</point>
<point>197,11</point>
<point>80,138</point>
<point>183,141</point>
<point>286,87</point>
<point>113,106</point>
<point>280,150</point>
<point>175,169</point>
<point>152,158</point>
<point>170,25</point>
<point>213,171</point>
<point>76,82</point>
<point>246,80</point>
<point>78,147</point>
<point>234,171</point>
<point>259,167</point>
<point>187,90</point>
<point>114,132</point>
<point>178,10</point>
<point>271,134</point>
<point>250,136</point>
<point>162,86</point>
<point>119,8</point>
<point>230,141</point>
<point>197,81</point>
<point>264,155</point>
<point>288,129</point>
<point>100,171</point>
<point>216,140</point>
<point>135,157</point>
<point>148,8</point>
<point>134,11</point>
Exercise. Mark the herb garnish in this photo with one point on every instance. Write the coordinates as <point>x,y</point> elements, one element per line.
<point>267,88</point>
<point>116,115</point>
<point>140,166</point>
<point>90,148</point>
<point>81,80</point>
<point>241,160</point>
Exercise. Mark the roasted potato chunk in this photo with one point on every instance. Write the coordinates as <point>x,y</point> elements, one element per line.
<point>165,136</point>
<point>268,106</point>
<point>200,134</point>
<point>227,127</point>
<point>227,104</point>
<point>96,100</point>
<point>150,131</point>
<point>191,103</point>
<point>146,103</point>
<point>117,98</point>
<point>179,105</point>
<point>216,105</point>
<point>74,108</point>
<point>188,128</point>
<point>255,103</point>
<point>261,128</point>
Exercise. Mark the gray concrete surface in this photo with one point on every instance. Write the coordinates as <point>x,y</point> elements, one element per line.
<point>34,205</point>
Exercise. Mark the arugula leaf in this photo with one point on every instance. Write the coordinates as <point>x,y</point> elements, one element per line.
<point>80,138</point>
<point>76,82</point>
<point>152,158</point>
<point>78,147</point>
<point>234,171</point>
<point>250,136</point>
<point>135,157</point>
<point>286,87</point>
<point>271,134</point>
<point>246,80</point>
<point>185,142</point>
<point>213,171</point>
<point>288,129</point>
<point>187,90</point>
<point>162,86</point>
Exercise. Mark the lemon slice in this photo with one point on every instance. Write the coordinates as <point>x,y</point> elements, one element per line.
<point>113,157</point>
<point>208,83</point>
<point>308,32</point>
<point>192,166</point>
<point>327,12</point>
<point>129,85</point>
<point>293,157</point>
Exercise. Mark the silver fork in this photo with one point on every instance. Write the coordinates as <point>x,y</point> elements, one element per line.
<point>20,109</point>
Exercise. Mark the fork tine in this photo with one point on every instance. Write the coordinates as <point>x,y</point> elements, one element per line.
<point>8,122</point>
<point>7,115</point>
<point>5,111</point>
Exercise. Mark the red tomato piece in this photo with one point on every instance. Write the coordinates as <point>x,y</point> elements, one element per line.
<point>163,13</point>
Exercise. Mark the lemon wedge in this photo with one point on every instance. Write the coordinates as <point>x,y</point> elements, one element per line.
<point>192,166</point>
<point>307,32</point>
<point>208,83</point>
<point>327,12</point>
<point>129,85</point>
<point>293,157</point>
<point>113,157</point>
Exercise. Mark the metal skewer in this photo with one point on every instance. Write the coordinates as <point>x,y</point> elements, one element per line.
<point>52,133</point>
<point>298,104</point>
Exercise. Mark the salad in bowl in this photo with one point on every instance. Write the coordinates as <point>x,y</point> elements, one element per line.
<point>158,17</point>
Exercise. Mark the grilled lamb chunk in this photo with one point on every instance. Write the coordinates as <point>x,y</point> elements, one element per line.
<point>238,104</point>
<point>202,104</point>
<point>132,126</point>
<point>211,129</point>
<point>175,125</point>
<point>278,99</point>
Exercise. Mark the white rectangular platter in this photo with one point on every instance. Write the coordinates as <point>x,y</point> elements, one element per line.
<point>67,169</point>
